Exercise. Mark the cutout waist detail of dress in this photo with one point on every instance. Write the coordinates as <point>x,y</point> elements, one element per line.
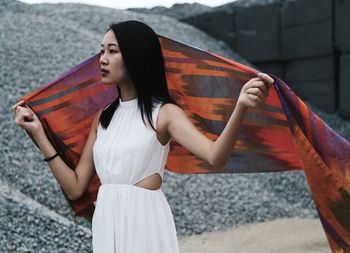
<point>111,185</point>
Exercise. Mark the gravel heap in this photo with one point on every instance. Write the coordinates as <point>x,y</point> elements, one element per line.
<point>247,3</point>
<point>177,11</point>
<point>186,10</point>
<point>41,41</point>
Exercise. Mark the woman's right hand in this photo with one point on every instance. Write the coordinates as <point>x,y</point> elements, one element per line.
<point>26,118</point>
<point>255,91</point>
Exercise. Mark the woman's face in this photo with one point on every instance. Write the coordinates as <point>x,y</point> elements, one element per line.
<point>112,60</point>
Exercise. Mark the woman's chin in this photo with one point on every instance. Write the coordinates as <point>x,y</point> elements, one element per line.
<point>105,80</point>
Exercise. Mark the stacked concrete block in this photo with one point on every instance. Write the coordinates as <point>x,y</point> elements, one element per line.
<point>312,79</point>
<point>342,21</point>
<point>257,32</point>
<point>344,86</point>
<point>300,41</point>
<point>307,50</point>
<point>306,29</point>
<point>219,24</point>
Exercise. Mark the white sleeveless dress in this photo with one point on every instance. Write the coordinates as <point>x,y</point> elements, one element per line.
<point>129,218</point>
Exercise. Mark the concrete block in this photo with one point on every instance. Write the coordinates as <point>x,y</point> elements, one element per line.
<point>313,80</point>
<point>342,21</point>
<point>219,24</point>
<point>257,32</point>
<point>276,68</point>
<point>344,86</point>
<point>297,12</point>
<point>307,40</point>
<point>320,93</point>
<point>310,69</point>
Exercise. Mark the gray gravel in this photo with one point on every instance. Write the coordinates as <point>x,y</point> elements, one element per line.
<point>177,11</point>
<point>38,43</point>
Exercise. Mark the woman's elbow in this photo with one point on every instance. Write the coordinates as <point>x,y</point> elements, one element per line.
<point>218,163</point>
<point>74,196</point>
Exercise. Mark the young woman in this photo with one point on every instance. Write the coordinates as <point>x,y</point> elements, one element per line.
<point>128,152</point>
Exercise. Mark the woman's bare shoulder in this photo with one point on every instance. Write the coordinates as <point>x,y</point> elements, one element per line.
<point>171,110</point>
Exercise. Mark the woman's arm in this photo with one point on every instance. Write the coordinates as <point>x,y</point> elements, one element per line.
<point>217,152</point>
<point>181,129</point>
<point>65,176</point>
<point>224,144</point>
<point>73,182</point>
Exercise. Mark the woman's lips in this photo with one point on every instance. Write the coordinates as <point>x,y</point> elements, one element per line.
<point>104,73</point>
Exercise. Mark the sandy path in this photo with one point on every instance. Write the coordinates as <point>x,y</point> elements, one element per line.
<point>292,235</point>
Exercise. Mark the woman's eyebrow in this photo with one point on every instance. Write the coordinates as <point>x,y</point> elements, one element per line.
<point>110,44</point>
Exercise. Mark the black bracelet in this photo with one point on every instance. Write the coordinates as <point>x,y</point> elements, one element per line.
<point>50,158</point>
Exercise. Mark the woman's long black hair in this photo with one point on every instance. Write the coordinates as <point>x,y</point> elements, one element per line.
<point>143,59</point>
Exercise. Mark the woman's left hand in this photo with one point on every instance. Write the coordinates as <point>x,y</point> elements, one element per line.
<point>255,91</point>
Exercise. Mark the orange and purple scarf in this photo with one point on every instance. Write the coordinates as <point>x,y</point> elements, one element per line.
<point>282,134</point>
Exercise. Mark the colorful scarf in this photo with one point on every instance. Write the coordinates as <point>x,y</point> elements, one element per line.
<point>280,135</point>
